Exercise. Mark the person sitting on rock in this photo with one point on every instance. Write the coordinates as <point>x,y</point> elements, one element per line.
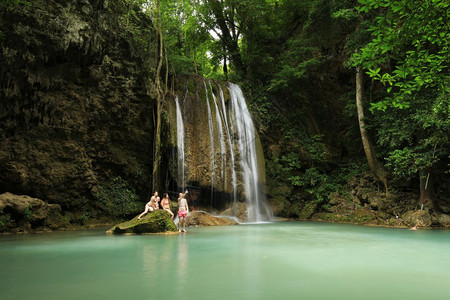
<point>165,203</point>
<point>150,206</point>
<point>157,201</point>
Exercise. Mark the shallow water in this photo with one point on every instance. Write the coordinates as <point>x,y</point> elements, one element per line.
<point>266,261</point>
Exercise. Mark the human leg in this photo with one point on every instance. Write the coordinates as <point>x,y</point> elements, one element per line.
<point>147,208</point>
<point>179,223</point>
<point>170,212</point>
<point>184,225</point>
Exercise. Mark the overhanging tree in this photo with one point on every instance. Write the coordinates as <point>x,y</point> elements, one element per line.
<point>408,54</point>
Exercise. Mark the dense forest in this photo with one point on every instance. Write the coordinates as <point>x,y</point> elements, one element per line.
<point>350,99</point>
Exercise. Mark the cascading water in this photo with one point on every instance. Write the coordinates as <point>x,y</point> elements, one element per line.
<point>211,142</point>
<point>244,128</point>
<point>217,150</point>
<point>221,135</point>
<point>180,143</point>
<point>230,145</point>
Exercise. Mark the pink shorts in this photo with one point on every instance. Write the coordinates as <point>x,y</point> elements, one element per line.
<point>182,214</point>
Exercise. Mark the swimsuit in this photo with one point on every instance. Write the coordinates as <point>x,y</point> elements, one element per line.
<point>182,213</point>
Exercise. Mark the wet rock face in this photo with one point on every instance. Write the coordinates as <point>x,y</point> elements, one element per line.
<point>212,147</point>
<point>198,167</point>
<point>76,104</point>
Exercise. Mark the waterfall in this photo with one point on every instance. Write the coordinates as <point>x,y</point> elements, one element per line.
<point>180,144</point>
<point>230,145</point>
<point>221,136</point>
<point>244,128</point>
<point>217,151</point>
<point>211,142</point>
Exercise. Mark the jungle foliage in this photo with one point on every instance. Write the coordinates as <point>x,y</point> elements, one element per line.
<point>116,198</point>
<point>406,53</point>
<point>296,61</point>
<point>12,4</point>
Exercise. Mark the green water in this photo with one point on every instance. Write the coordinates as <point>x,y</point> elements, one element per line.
<point>266,261</point>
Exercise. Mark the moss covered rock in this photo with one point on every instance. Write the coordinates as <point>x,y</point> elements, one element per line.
<point>155,222</point>
<point>421,218</point>
<point>307,210</point>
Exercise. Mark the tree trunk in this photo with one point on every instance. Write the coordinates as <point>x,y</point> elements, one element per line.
<point>229,43</point>
<point>375,165</point>
<point>225,67</point>
<point>159,101</point>
<point>195,62</point>
<point>427,195</point>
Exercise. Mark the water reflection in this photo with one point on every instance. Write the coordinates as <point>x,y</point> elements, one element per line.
<point>157,260</point>
<point>148,259</point>
<point>182,258</point>
<point>272,261</point>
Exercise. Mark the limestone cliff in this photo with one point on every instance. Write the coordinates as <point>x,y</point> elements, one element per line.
<point>76,103</point>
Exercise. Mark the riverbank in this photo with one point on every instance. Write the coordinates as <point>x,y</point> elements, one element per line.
<point>21,214</point>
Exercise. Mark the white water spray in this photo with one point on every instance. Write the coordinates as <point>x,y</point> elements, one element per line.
<point>211,143</point>
<point>230,145</point>
<point>180,143</point>
<point>221,136</point>
<point>227,147</point>
<point>258,210</point>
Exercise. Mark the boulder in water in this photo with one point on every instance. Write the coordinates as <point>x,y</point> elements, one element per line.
<point>199,218</point>
<point>443,220</point>
<point>421,218</point>
<point>238,209</point>
<point>21,214</point>
<point>157,221</point>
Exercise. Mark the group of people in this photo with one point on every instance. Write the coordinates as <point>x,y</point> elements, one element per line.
<point>183,208</point>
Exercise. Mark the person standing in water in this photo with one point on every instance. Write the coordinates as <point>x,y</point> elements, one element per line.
<point>150,206</point>
<point>165,203</point>
<point>183,210</point>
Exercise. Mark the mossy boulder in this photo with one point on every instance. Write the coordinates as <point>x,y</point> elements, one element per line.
<point>421,218</point>
<point>443,220</point>
<point>155,222</point>
<point>308,209</point>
